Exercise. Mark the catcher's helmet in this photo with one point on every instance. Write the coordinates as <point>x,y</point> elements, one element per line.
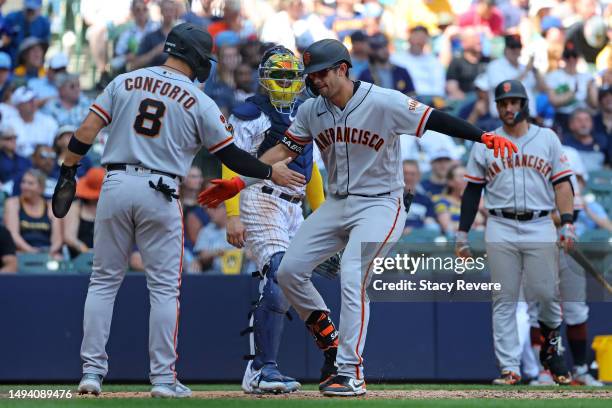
<point>325,54</point>
<point>194,46</point>
<point>513,88</point>
<point>281,75</point>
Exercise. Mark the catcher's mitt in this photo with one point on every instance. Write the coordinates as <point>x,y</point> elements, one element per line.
<point>329,268</point>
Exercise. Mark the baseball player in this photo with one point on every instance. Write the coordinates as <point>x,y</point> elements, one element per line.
<point>266,216</point>
<point>157,121</point>
<point>520,237</point>
<point>356,126</point>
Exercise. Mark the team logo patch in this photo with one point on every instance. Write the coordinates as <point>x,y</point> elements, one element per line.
<point>564,159</point>
<point>412,105</point>
<point>507,87</point>
<point>306,58</point>
<point>222,118</point>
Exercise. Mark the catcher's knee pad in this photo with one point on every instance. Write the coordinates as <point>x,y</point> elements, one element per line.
<point>272,297</point>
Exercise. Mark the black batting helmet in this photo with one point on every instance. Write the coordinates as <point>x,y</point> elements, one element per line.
<point>325,54</point>
<point>513,88</point>
<point>194,46</point>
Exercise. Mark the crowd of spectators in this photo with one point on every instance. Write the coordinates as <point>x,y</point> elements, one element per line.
<point>449,54</point>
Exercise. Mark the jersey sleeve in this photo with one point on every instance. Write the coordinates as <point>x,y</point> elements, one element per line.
<point>103,105</point>
<point>476,166</point>
<point>214,130</point>
<point>299,132</point>
<point>560,163</point>
<point>408,116</point>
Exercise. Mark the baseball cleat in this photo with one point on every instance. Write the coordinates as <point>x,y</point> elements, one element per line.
<point>267,380</point>
<point>251,379</point>
<point>343,386</point>
<point>544,378</point>
<point>176,390</point>
<point>329,369</point>
<point>90,384</point>
<point>507,378</point>
<point>551,357</point>
<point>581,376</point>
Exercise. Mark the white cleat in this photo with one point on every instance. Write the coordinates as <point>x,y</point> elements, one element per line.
<point>581,376</point>
<point>544,379</point>
<point>250,381</point>
<point>90,384</point>
<point>176,390</point>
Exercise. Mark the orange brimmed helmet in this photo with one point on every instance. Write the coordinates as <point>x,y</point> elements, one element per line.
<point>281,74</point>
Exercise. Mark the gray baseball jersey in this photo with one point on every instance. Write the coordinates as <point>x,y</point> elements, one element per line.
<point>158,118</point>
<point>523,181</point>
<point>360,144</point>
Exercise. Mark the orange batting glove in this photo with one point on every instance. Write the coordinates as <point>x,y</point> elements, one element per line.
<point>498,144</point>
<point>222,189</point>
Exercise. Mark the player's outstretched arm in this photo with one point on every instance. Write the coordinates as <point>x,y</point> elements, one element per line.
<point>314,189</point>
<point>78,146</point>
<point>450,125</point>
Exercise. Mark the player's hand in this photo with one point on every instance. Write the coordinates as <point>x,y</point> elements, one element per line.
<point>499,144</point>
<point>221,190</point>
<point>284,176</point>
<point>567,237</point>
<point>235,231</point>
<point>462,247</point>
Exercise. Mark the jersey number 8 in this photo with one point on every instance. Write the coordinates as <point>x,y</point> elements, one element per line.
<point>148,122</point>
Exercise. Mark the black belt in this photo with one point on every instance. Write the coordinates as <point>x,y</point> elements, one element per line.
<point>123,167</point>
<point>387,193</point>
<point>526,216</point>
<point>287,197</point>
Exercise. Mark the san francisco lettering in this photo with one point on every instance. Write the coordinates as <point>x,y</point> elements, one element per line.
<point>519,160</point>
<point>348,135</point>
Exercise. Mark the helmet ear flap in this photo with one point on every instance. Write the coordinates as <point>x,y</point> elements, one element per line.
<point>203,71</point>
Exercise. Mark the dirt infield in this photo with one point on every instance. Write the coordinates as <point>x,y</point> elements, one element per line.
<point>391,394</point>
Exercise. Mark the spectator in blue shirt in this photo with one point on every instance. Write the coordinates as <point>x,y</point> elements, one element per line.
<point>27,23</point>
<point>12,165</point>
<point>70,106</point>
<point>602,122</point>
<point>592,150</point>
<point>45,88</point>
<point>421,213</point>
<point>441,161</point>
<point>360,51</point>
<point>5,72</point>
<point>381,72</point>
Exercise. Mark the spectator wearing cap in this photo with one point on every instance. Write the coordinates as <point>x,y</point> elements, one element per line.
<point>151,48</point>
<point>589,37</point>
<point>45,88</point>
<point>70,106</point>
<point>508,67</point>
<point>426,71</point>
<point>43,160</point>
<point>381,72</point>
<point>5,71</point>
<point>78,225</point>
<point>464,68</point>
<point>360,52</point>
<point>129,40</point>
<point>485,16</point>
<point>440,160</point>
<point>26,23</point>
<point>30,59</point>
<point>477,112</point>
<point>591,148</point>
<point>8,252</point>
<point>32,126</point>
<point>421,213</point>
<point>60,146</point>
<point>567,88</point>
<point>12,165</point>
<point>29,218</point>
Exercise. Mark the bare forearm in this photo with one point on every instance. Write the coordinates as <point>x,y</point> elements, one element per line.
<point>9,263</point>
<point>86,134</point>
<point>276,154</point>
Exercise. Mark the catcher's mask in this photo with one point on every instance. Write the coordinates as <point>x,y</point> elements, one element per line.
<point>281,75</point>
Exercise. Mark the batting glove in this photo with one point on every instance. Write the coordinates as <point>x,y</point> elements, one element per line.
<point>499,144</point>
<point>567,236</point>
<point>221,190</point>
<point>462,247</point>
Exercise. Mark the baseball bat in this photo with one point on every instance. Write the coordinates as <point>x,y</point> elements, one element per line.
<point>588,266</point>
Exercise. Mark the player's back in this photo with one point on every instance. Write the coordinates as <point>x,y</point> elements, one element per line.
<point>152,116</point>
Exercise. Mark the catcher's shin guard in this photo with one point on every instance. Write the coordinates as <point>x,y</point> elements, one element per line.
<point>551,355</point>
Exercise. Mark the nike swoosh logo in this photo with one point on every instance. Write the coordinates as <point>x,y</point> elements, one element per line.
<point>322,113</point>
<point>358,384</point>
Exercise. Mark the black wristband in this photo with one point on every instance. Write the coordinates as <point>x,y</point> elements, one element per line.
<point>291,145</point>
<point>567,218</point>
<point>78,147</point>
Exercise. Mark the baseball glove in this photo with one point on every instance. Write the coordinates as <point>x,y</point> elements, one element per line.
<point>65,190</point>
<point>330,268</point>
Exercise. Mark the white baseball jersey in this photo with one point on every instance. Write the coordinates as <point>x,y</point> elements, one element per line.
<point>136,108</point>
<point>248,135</point>
<point>523,181</point>
<point>360,144</point>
